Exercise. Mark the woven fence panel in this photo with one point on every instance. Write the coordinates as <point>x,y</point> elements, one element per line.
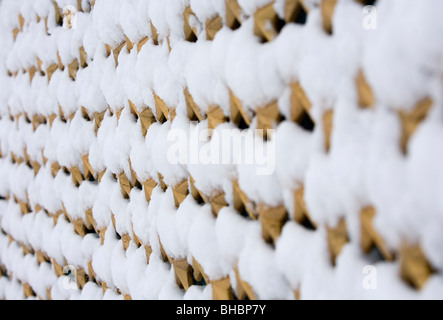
<point>331,190</point>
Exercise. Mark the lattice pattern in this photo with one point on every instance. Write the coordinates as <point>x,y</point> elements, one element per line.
<point>67,200</point>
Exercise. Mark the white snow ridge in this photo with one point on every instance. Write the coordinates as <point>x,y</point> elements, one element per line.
<point>221,149</point>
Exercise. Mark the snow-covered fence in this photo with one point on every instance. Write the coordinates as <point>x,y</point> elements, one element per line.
<point>343,99</point>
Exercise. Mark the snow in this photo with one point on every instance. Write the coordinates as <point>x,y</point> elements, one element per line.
<point>203,245</point>
<point>402,62</point>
